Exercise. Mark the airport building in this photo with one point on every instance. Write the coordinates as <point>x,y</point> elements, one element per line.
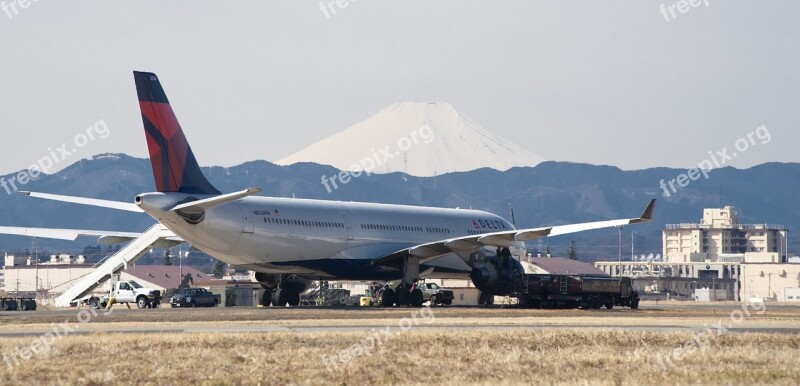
<point>718,258</point>
<point>720,237</point>
<point>49,279</point>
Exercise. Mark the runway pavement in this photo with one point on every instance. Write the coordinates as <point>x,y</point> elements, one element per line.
<point>243,329</point>
<point>772,318</point>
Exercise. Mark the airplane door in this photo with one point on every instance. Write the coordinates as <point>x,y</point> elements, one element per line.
<point>348,227</point>
<point>455,228</point>
<point>248,222</point>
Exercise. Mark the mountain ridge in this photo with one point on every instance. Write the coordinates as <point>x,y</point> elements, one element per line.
<point>550,193</point>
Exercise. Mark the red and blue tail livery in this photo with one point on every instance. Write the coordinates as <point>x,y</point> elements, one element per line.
<point>174,167</point>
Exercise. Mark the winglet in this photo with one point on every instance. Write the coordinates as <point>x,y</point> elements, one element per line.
<point>647,215</point>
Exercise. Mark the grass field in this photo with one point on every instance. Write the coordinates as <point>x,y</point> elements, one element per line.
<point>471,346</point>
<point>411,357</point>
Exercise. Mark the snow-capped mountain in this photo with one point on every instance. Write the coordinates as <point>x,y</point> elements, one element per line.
<point>418,138</point>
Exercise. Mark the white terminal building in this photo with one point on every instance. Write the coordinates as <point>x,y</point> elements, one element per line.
<point>718,258</point>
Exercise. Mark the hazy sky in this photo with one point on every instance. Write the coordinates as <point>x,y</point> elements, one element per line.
<point>603,82</point>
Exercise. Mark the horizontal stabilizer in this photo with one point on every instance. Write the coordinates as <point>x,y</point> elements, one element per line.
<point>64,234</point>
<point>208,203</point>
<point>119,205</point>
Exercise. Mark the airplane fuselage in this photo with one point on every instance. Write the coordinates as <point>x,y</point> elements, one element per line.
<point>320,238</point>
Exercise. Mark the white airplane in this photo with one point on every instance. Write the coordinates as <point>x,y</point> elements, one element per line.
<point>290,242</point>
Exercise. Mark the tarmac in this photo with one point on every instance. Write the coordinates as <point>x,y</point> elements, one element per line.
<point>671,317</point>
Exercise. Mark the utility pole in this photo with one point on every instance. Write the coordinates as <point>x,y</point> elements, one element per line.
<point>36,256</point>
<point>180,260</point>
<point>632,233</point>
<point>619,264</point>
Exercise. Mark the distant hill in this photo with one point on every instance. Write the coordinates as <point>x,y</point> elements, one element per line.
<point>549,193</point>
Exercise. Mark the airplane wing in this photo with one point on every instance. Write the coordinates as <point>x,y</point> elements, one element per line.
<point>430,251</point>
<point>119,205</point>
<point>104,237</point>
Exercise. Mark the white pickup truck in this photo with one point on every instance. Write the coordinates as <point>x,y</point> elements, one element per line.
<point>126,292</point>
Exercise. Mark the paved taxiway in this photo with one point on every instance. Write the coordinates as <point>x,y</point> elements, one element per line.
<point>674,317</point>
<point>155,329</point>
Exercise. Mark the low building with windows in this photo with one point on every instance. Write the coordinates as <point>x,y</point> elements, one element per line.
<point>51,278</point>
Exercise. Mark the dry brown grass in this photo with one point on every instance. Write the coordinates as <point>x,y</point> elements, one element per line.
<point>412,357</point>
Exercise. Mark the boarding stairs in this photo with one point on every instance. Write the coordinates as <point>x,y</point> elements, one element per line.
<point>114,264</point>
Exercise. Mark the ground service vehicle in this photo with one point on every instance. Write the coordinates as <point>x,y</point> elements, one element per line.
<point>27,304</point>
<point>17,304</point>
<point>126,292</point>
<point>502,275</point>
<point>193,297</point>
<point>8,304</point>
<point>325,297</point>
<point>572,291</point>
<point>437,295</point>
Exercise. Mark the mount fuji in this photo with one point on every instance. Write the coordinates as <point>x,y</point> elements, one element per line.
<point>416,138</point>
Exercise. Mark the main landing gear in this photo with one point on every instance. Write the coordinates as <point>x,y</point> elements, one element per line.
<point>287,293</point>
<point>403,295</point>
<point>406,293</point>
<point>280,297</point>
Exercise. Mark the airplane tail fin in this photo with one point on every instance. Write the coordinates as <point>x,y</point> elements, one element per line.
<point>174,167</point>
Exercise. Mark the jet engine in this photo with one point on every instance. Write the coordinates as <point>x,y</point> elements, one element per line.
<point>498,275</point>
